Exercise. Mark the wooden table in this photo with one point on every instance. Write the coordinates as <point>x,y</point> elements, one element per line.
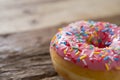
<point>24,55</point>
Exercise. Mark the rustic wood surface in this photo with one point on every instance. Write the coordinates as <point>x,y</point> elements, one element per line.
<point>25,55</point>
<point>22,15</point>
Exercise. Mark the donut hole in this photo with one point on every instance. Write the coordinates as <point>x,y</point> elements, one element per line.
<point>99,39</point>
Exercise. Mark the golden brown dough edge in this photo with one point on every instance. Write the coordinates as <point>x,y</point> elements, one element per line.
<point>70,71</point>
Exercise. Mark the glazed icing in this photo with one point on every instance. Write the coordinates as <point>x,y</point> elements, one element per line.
<point>89,44</point>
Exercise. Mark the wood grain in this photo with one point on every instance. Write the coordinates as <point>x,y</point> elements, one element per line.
<point>24,15</point>
<point>25,55</point>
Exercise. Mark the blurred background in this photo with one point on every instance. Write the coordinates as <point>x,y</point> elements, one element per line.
<point>22,15</point>
<point>27,26</point>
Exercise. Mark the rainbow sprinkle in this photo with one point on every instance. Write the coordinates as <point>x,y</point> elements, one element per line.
<point>107,67</point>
<point>82,57</point>
<point>89,40</point>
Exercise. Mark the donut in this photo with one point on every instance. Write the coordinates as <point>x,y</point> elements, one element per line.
<point>87,50</point>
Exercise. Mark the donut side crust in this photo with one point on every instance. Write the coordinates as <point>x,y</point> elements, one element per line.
<point>71,71</point>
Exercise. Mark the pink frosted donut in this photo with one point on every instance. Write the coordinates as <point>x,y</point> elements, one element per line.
<point>88,44</point>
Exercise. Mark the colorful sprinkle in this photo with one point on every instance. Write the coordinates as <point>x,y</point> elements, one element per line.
<point>107,67</point>
<point>96,52</point>
<point>68,59</point>
<point>85,63</point>
<point>77,53</point>
<point>106,58</point>
<point>82,57</point>
<point>60,29</point>
<point>82,29</point>
<point>116,59</point>
<point>65,51</point>
<point>53,39</point>
<point>92,53</point>
<point>78,59</point>
<point>69,33</point>
<point>71,49</point>
<point>108,43</point>
<point>105,30</point>
<point>91,47</point>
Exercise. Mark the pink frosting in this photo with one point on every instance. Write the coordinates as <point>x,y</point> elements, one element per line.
<point>89,44</point>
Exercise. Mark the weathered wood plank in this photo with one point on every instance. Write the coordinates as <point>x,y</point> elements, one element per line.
<point>26,55</point>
